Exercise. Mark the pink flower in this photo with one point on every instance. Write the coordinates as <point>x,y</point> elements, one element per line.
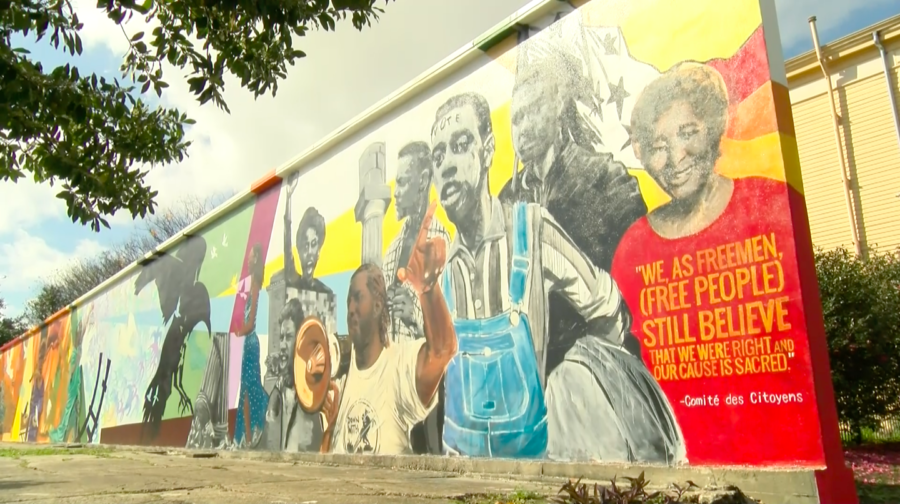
<point>875,464</point>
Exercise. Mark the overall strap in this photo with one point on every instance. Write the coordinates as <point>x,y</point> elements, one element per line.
<point>521,259</point>
<point>447,288</point>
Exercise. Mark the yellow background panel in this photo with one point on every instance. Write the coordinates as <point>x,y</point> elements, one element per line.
<point>662,33</point>
<point>665,32</point>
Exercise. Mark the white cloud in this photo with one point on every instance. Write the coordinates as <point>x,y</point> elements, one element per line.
<point>793,16</point>
<point>100,31</point>
<point>27,258</point>
<point>25,204</point>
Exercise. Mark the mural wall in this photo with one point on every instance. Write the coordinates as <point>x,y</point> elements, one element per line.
<point>579,247</point>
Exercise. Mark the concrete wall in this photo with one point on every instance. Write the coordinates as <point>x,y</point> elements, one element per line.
<point>639,291</point>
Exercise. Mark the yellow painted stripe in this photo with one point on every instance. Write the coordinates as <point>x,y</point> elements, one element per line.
<point>29,347</point>
<point>760,157</point>
<point>791,156</point>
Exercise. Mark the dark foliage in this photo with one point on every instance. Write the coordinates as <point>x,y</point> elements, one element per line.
<point>860,300</point>
<point>96,137</point>
<point>576,492</point>
<point>10,327</point>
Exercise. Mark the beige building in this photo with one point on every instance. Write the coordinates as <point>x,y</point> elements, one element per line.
<point>864,70</point>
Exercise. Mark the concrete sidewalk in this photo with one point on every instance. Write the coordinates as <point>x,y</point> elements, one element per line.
<point>93,475</point>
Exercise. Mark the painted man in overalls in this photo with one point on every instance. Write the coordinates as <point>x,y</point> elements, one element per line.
<point>502,264</point>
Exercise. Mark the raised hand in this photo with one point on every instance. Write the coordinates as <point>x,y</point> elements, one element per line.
<point>428,257</point>
<point>292,182</point>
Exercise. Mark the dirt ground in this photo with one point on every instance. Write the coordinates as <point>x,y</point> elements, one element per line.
<point>91,475</point>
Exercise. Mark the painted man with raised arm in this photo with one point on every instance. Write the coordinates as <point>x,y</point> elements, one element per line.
<point>391,386</point>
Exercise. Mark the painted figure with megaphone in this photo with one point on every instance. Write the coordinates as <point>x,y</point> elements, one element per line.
<point>388,387</point>
<point>319,363</point>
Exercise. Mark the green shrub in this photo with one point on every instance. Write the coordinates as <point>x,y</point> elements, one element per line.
<point>861,308</point>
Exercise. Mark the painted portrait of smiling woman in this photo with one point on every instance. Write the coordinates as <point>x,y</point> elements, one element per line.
<point>678,124</point>
<point>712,226</point>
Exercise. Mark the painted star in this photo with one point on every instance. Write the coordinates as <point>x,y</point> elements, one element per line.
<point>627,142</point>
<point>617,95</point>
<point>609,44</point>
<point>213,253</point>
<point>224,240</point>
<point>596,106</point>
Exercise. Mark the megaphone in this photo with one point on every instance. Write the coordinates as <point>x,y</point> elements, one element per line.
<point>312,364</point>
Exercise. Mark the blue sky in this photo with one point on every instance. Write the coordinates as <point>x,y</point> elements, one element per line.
<point>230,151</point>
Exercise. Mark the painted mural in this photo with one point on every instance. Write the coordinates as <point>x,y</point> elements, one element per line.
<point>580,247</point>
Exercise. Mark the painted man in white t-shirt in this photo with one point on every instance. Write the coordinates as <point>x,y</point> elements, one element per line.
<point>391,387</point>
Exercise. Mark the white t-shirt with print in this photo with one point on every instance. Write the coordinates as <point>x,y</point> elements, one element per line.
<point>380,405</point>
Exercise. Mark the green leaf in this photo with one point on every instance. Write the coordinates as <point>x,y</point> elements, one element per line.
<point>89,134</point>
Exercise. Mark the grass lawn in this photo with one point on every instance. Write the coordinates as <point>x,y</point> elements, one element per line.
<point>877,471</point>
<point>517,497</point>
<point>16,453</point>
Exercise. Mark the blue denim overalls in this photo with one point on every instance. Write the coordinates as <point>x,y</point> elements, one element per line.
<point>494,403</point>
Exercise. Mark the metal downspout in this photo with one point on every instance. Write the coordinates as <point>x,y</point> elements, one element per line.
<point>876,36</point>
<point>848,200</point>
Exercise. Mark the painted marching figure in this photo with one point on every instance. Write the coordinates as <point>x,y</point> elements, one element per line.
<point>251,414</point>
<point>411,191</point>
<point>592,196</point>
<point>391,386</point>
<point>305,295</point>
<point>600,402</point>
<point>296,429</point>
<point>309,240</point>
